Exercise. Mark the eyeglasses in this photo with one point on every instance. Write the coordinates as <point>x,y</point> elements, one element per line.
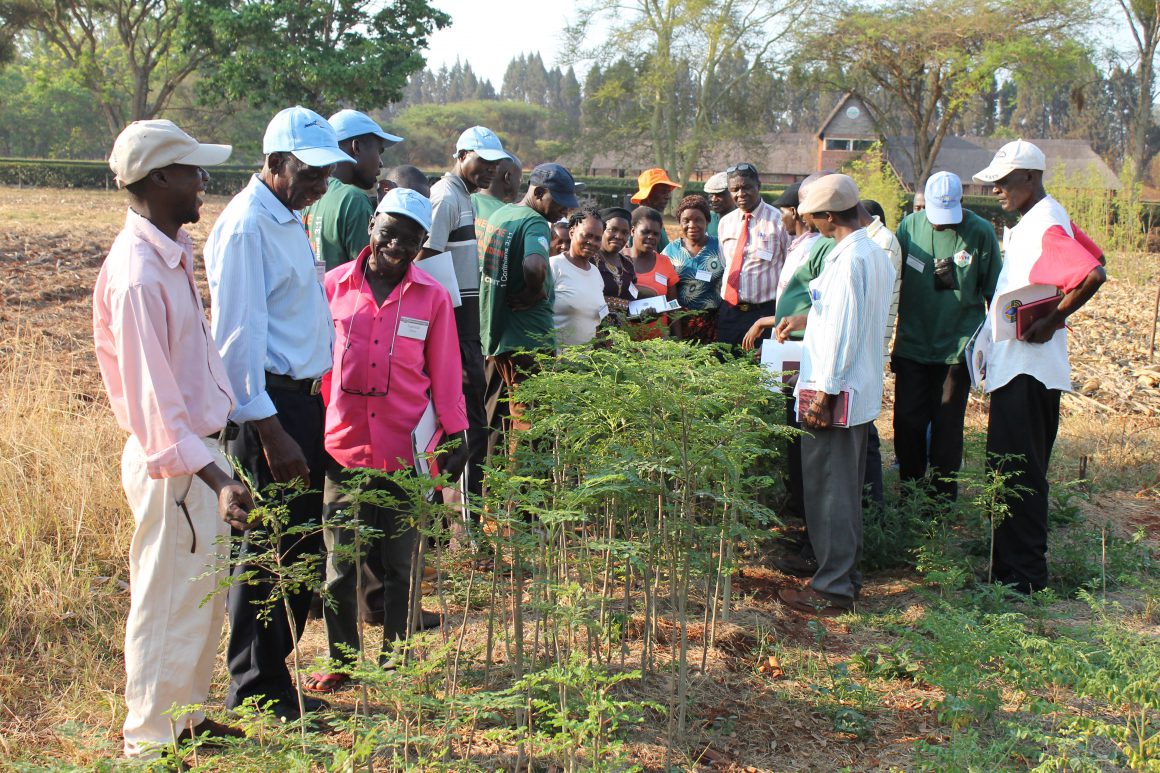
<point>741,168</point>
<point>388,235</point>
<point>373,391</point>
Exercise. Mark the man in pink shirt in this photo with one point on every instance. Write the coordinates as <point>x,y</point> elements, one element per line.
<point>168,389</point>
<point>396,352</point>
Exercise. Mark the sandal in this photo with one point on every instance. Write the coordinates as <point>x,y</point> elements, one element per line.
<point>325,683</point>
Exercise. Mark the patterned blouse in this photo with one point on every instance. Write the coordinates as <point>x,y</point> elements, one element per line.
<point>699,286</point>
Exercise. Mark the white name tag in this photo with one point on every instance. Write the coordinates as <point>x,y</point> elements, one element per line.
<point>603,311</point>
<point>765,254</point>
<point>410,327</point>
<point>915,263</point>
<point>661,279</point>
<point>320,269</point>
<point>633,291</point>
<point>704,276</point>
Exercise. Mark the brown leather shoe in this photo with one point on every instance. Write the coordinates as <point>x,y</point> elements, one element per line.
<point>796,566</point>
<point>810,601</point>
<point>211,733</point>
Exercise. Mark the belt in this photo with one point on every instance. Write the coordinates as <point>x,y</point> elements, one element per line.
<point>747,307</point>
<point>228,432</point>
<point>310,386</point>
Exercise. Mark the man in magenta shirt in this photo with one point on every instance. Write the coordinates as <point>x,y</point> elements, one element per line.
<point>168,389</point>
<point>396,351</point>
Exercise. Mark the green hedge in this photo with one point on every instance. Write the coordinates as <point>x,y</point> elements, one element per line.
<point>62,173</point>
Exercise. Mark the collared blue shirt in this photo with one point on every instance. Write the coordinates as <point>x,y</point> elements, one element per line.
<point>269,311</point>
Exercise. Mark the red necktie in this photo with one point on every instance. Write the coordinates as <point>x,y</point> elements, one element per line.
<point>733,284</point>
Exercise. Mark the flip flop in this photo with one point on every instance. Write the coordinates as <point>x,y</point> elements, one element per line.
<point>325,683</point>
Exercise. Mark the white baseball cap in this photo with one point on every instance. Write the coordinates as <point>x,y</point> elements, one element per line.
<point>306,134</point>
<point>943,197</point>
<point>143,146</point>
<point>408,203</point>
<point>1019,154</point>
<point>484,142</point>
<point>352,123</point>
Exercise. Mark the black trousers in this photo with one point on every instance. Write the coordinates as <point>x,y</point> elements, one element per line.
<point>1024,420</point>
<point>795,503</point>
<point>733,323</point>
<point>258,648</point>
<point>478,432</point>
<point>393,552</point>
<point>935,396</point>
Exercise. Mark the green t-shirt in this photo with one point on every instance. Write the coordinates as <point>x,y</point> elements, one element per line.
<point>935,325</point>
<point>795,298</point>
<point>714,219</point>
<point>339,223</point>
<point>513,232</point>
<point>485,206</point>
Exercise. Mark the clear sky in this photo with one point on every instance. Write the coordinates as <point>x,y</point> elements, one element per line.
<point>490,33</point>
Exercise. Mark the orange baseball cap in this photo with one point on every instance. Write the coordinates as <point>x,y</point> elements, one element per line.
<point>649,179</point>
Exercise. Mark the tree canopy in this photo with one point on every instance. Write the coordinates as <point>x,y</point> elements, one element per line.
<point>326,54</point>
<point>918,65</point>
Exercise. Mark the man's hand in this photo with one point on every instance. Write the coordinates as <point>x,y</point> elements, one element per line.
<point>535,277</point>
<point>817,413</point>
<point>453,462</point>
<point>1043,329</point>
<point>234,505</point>
<point>234,502</point>
<point>789,325</point>
<point>526,298</point>
<point>283,454</point>
<point>756,331</point>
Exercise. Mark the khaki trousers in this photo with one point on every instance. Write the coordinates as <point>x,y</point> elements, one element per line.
<point>171,639</point>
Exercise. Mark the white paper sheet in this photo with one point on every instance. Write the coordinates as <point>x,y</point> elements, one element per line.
<point>775,355</point>
<point>442,270</point>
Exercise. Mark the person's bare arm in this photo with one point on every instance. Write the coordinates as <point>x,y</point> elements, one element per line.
<point>535,275</point>
<point>756,330</point>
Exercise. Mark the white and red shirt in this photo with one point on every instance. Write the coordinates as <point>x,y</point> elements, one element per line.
<point>1043,248</point>
<point>389,362</point>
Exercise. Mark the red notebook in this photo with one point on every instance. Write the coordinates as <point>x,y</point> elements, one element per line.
<point>1027,314</point>
<point>839,407</point>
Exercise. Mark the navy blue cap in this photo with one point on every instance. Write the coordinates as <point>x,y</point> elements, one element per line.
<point>559,181</point>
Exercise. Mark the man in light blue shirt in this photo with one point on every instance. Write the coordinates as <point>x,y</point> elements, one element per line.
<point>842,364</point>
<point>273,328</point>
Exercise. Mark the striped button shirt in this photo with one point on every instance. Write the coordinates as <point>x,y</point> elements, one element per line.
<point>453,230</point>
<point>843,341</point>
<point>765,251</point>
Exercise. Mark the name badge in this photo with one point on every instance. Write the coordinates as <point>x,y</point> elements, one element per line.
<point>704,276</point>
<point>765,254</point>
<point>320,270</point>
<point>410,327</point>
<point>633,291</point>
<point>661,279</point>
<point>603,311</point>
<point>915,263</point>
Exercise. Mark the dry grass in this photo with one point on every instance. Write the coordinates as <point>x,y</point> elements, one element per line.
<point>65,531</point>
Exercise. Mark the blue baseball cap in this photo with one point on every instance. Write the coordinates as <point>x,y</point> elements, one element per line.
<point>306,134</point>
<point>944,197</point>
<point>352,123</point>
<point>484,142</point>
<point>408,203</point>
<point>559,181</point>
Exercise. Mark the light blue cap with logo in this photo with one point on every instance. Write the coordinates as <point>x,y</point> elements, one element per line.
<point>944,197</point>
<point>407,203</point>
<point>484,142</point>
<point>352,123</point>
<point>305,134</point>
